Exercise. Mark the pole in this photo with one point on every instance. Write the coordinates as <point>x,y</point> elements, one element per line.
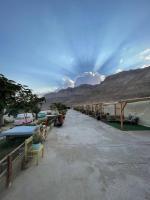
<point>123,105</point>
<point>9,171</point>
<point>115,110</point>
<point>121,117</point>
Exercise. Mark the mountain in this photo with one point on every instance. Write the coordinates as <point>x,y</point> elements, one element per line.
<point>123,85</point>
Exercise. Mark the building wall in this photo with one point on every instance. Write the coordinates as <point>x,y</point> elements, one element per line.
<point>109,109</point>
<point>139,109</point>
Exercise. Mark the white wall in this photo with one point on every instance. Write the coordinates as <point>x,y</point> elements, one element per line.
<point>109,109</point>
<point>141,110</point>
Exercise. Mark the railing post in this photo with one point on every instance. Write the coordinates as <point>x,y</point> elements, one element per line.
<point>9,171</point>
<point>115,110</point>
<point>121,115</point>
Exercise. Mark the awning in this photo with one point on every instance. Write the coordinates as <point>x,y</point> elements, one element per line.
<point>20,131</point>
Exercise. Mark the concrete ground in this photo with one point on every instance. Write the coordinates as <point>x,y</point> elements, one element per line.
<point>87,160</point>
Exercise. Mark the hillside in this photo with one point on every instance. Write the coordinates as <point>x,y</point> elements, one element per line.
<point>123,85</point>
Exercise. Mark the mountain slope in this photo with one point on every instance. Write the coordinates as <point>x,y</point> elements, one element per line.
<point>126,84</point>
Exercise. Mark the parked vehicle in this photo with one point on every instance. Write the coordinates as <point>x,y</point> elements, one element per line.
<point>42,114</point>
<point>24,118</point>
<point>45,113</point>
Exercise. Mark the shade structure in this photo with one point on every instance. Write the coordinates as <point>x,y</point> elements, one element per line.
<point>20,131</point>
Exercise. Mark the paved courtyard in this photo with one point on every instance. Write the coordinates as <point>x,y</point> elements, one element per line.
<point>87,160</point>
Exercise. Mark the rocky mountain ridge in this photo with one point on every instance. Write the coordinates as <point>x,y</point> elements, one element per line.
<point>123,85</point>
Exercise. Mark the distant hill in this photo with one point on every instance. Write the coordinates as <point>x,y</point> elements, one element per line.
<point>123,85</point>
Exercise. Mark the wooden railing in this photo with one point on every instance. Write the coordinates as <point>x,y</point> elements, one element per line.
<point>13,162</point>
<point>8,167</point>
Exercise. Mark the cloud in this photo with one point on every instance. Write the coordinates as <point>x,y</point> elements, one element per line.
<point>44,90</point>
<point>90,78</point>
<point>119,70</point>
<point>67,82</point>
<point>145,52</point>
<point>145,55</point>
<point>144,66</point>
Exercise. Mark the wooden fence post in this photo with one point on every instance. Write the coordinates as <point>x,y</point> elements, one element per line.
<point>123,105</point>
<point>121,116</point>
<point>115,110</point>
<point>9,171</point>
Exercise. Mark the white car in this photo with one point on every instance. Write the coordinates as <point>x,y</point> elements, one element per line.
<point>24,118</point>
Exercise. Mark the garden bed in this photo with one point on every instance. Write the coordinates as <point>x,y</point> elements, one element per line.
<point>128,127</point>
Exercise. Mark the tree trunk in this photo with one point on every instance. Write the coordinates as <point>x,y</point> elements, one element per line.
<point>1,118</point>
<point>36,115</point>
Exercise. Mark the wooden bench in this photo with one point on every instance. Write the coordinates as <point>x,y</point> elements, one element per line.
<point>31,152</point>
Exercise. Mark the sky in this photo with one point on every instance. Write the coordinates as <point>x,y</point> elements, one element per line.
<point>52,44</point>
